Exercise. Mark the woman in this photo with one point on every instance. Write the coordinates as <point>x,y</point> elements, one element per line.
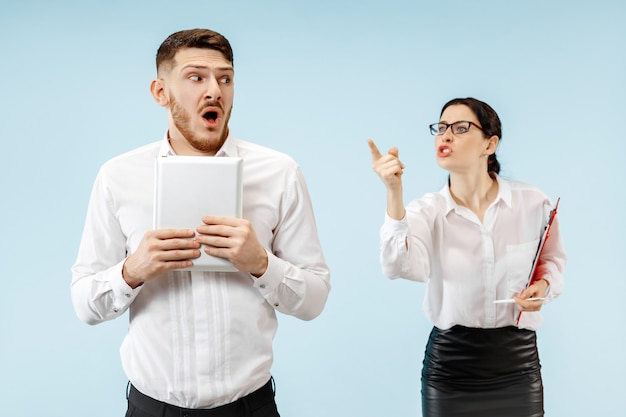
<point>474,243</point>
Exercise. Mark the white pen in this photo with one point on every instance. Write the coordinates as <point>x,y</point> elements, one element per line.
<point>511,301</point>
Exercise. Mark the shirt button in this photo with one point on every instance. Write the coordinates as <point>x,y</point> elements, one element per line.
<point>128,295</point>
<point>262,285</point>
<point>275,304</point>
<point>116,310</point>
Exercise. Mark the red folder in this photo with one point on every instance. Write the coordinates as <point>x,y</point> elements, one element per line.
<point>532,277</point>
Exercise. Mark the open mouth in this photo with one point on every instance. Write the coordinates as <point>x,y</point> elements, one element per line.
<point>444,151</point>
<point>211,116</point>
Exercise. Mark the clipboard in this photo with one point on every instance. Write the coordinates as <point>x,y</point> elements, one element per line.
<point>542,242</point>
<point>188,188</point>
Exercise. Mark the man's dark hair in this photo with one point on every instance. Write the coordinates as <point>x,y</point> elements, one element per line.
<point>192,38</point>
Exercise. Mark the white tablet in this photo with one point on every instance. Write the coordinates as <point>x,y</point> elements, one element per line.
<point>188,188</point>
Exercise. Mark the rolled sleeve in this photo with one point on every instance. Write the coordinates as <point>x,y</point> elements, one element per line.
<point>393,247</point>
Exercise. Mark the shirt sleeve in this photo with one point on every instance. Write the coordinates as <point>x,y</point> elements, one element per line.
<point>98,290</point>
<point>297,279</point>
<point>404,246</point>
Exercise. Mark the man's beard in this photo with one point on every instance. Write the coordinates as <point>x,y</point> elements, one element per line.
<point>182,121</point>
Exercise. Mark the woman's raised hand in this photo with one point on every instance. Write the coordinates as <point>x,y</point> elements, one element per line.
<point>388,167</point>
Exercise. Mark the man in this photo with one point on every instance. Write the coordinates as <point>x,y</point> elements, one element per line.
<point>199,343</point>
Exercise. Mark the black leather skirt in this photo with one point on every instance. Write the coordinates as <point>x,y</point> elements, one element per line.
<point>471,372</point>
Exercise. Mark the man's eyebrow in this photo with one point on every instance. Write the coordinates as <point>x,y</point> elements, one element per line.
<point>206,67</point>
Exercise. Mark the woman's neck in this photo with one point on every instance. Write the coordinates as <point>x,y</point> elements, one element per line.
<point>474,192</point>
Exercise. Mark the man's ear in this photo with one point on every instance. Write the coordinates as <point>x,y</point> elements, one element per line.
<point>157,89</point>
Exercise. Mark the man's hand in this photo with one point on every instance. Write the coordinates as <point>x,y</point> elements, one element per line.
<point>160,251</point>
<point>233,239</point>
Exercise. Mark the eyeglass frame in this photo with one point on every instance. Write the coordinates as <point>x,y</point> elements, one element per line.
<point>435,132</point>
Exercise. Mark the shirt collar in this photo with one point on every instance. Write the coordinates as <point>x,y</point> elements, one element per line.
<point>504,191</point>
<point>229,148</point>
<point>504,195</point>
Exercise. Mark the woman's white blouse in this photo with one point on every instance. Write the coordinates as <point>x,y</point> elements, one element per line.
<point>468,264</point>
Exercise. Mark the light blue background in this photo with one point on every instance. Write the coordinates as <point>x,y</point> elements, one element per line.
<point>315,80</point>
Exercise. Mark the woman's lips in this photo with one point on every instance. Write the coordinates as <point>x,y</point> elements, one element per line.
<point>444,151</point>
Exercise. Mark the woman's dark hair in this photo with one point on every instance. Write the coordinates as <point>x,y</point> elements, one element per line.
<point>489,121</point>
<point>192,38</point>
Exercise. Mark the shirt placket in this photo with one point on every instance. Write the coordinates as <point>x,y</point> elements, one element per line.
<point>489,276</point>
<point>489,265</point>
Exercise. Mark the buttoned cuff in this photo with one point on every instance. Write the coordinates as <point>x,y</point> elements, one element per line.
<point>268,283</point>
<point>123,294</point>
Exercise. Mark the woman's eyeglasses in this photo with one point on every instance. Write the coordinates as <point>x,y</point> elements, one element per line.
<point>458,128</point>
